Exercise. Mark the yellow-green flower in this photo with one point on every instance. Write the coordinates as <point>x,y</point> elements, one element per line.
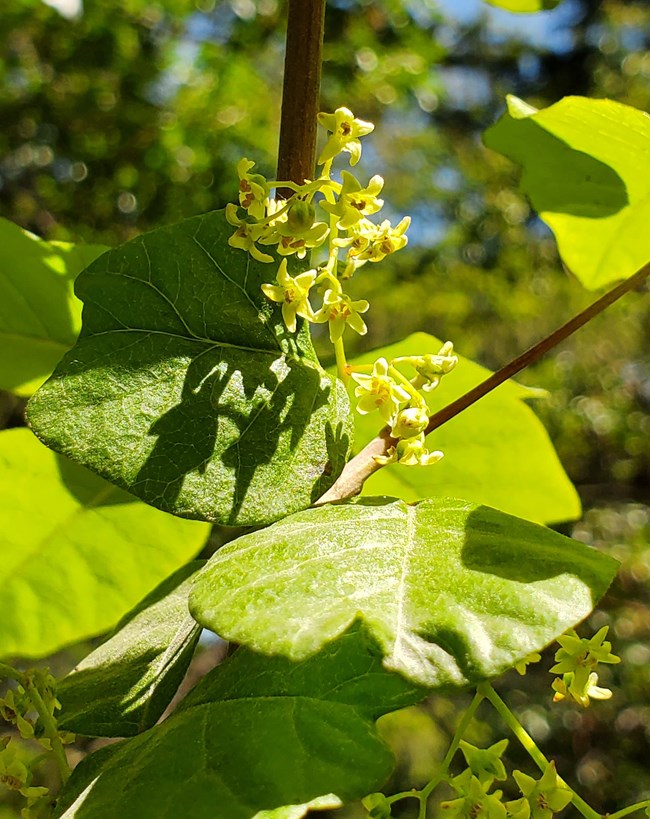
<point>430,368</point>
<point>545,796</point>
<point>486,763</point>
<point>246,235</point>
<point>580,686</point>
<point>413,452</point>
<point>386,240</point>
<point>576,660</point>
<point>518,809</point>
<point>521,666</point>
<point>379,391</point>
<point>345,131</point>
<point>474,802</point>
<point>409,422</point>
<point>290,242</point>
<point>253,189</point>
<point>293,294</point>
<point>576,652</point>
<point>340,310</point>
<point>355,202</point>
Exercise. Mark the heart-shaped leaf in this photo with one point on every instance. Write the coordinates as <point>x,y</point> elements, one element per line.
<point>453,592</point>
<point>256,734</point>
<point>39,315</point>
<point>185,387</point>
<point>497,452</point>
<point>586,170</point>
<point>123,687</point>
<point>77,553</point>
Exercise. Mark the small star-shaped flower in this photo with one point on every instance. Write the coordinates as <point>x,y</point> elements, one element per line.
<point>345,131</point>
<point>293,294</point>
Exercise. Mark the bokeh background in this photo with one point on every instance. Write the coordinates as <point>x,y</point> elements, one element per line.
<point>116,117</point>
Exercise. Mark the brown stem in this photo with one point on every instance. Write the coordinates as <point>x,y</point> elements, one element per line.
<point>301,91</point>
<point>363,465</point>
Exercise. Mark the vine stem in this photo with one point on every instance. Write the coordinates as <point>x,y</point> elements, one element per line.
<point>463,725</point>
<point>529,745</point>
<point>341,363</point>
<point>47,720</point>
<point>630,809</point>
<point>301,91</point>
<point>364,464</point>
<point>49,728</point>
<point>10,673</point>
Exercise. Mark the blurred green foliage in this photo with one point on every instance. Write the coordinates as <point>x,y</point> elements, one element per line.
<point>133,114</point>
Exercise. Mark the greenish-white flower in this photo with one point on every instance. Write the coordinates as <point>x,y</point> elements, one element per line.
<point>246,235</point>
<point>379,391</point>
<point>409,422</point>
<point>355,202</point>
<point>339,310</point>
<point>293,294</point>
<point>253,189</point>
<point>345,130</point>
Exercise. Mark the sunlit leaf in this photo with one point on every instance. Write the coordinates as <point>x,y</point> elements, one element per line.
<point>185,388</point>
<point>257,734</point>
<point>586,170</point>
<point>497,452</point>
<point>77,553</point>
<point>524,6</point>
<point>124,686</point>
<point>327,802</point>
<point>453,592</point>
<point>39,315</point>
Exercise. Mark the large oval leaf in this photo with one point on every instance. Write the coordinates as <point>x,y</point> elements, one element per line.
<point>39,314</point>
<point>123,687</point>
<point>497,452</point>
<point>453,592</point>
<point>185,388</point>
<point>77,553</point>
<point>257,734</point>
<point>586,169</point>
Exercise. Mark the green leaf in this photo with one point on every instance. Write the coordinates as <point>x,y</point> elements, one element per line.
<point>256,734</point>
<point>586,170</point>
<point>453,592</point>
<point>524,6</point>
<point>123,687</point>
<point>77,553</point>
<point>327,802</point>
<point>185,387</point>
<point>497,452</point>
<point>39,315</point>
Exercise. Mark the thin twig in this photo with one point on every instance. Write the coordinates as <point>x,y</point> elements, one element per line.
<point>362,466</point>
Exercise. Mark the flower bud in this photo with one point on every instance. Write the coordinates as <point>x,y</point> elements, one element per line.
<point>300,217</point>
<point>410,422</point>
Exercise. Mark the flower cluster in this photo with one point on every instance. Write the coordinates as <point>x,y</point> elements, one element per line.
<point>576,661</point>
<point>540,798</point>
<point>400,403</point>
<point>16,776</point>
<point>352,239</point>
<point>17,708</point>
<point>294,228</point>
